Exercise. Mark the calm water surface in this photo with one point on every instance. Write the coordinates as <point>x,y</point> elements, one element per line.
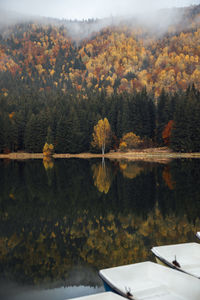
<point>61,221</point>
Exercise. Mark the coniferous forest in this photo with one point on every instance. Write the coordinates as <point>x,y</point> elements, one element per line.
<point>55,88</point>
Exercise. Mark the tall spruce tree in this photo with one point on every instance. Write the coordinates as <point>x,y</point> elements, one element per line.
<point>62,135</point>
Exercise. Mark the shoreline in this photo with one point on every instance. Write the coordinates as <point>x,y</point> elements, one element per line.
<point>151,154</point>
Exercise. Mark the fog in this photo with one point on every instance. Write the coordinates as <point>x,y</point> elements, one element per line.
<point>84,9</point>
<point>151,13</point>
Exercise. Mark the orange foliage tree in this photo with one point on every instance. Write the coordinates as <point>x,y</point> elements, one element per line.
<point>166,134</point>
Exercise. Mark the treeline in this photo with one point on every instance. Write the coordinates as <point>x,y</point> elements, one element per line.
<point>27,121</point>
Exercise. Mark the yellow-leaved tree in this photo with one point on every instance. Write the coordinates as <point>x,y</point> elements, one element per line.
<point>48,149</point>
<point>130,141</point>
<point>101,135</point>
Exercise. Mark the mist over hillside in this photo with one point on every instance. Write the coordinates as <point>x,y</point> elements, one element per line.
<point>157,21</point>
<point>114,54</point>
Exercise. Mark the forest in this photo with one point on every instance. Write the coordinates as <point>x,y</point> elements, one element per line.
<point>55,88</point>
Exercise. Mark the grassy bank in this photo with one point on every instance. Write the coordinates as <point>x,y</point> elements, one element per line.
<point>145,154</point>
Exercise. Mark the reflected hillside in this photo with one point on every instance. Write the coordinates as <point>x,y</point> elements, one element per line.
<point>55,223</point>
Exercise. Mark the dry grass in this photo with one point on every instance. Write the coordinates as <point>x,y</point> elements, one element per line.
<point>150,154</point>
<point>22,156</point>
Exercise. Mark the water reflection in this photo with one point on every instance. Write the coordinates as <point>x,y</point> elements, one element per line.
<point>167,177</point>
<point>48,163</point>
<point>59,225</point>
<point>102,175</point>
<point>12,291</point>
<point>131,169</point>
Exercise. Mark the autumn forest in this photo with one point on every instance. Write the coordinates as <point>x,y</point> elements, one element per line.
<point>55,88</point>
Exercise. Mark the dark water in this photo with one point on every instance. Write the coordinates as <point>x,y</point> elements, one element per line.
<point>61,221</point>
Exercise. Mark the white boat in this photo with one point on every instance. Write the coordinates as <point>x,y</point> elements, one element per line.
<point>183,257</point>
<point>100,296</point>
<point>150,281</point>
<point>198,234</point>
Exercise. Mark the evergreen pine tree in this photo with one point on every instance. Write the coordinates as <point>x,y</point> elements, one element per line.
<point>62,136</point>
<point>49,137</point>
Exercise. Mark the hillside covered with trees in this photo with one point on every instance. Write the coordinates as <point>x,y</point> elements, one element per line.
<point>56,86</point>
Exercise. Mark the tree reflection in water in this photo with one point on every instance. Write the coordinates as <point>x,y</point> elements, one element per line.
<point>102,175</point>
<point>53,223</point>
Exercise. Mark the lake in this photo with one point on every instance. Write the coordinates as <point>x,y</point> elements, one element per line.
<point>63,220</point>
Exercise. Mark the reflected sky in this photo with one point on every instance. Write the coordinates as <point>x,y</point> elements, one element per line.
<point>12,291</point>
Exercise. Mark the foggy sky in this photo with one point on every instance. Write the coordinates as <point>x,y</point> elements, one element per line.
<point>84,9</point>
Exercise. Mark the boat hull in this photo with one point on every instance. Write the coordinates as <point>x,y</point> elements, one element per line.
<point>150,281</point>
<point>181,257</point>
<point>109,288</point>
<point>101,296</point>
